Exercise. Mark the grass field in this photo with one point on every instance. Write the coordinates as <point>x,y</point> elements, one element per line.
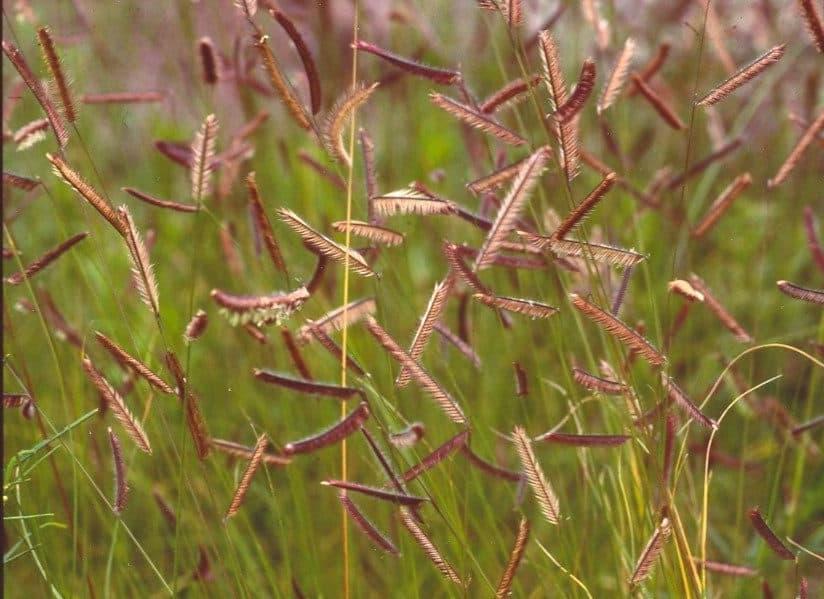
<point>661,507</point>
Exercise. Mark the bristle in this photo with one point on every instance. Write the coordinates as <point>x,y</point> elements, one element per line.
<point>742,76</point>
<point>203,153</point>
<point>323,245</point>
<point>45,260</point>
<point>476,119</point>
<point>428,547</point>
<point>617,78</point>
<point>76,182</point>
<point>530,308</point>
<point>282,87</point>
<point>336,118</point>
<point>30,134</point>
<point>142,270</point>
<point>596,251</point>
<point>260,309</point>
<point>132,363</point>
<point>650,553</point>
<point>510,210</point>
<point>515,556</point>
<point>586,206</point>
<point>248,474</point>
<point>619,330</point>
<point>720,205</point>
<point>410,200</point>
<point>374,233</point>
<point>545,496</point>
<point>263,226</point>
<point>115,402</point>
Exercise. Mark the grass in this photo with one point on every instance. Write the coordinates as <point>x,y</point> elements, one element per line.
<point>61,535</point>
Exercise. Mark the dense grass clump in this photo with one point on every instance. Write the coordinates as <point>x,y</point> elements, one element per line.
<point>398,299</point>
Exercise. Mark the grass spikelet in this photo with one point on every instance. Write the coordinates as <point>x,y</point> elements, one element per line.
<point>596,383</point>
<point>702,165</point>
<point>742,76</point>
<point>294,353</point>
<point>149,199</point>
<point>263,226</point>
<point>495,179</point>
<point>203,154</point>
<point>16,58</point>
<point>431,316</point>
<point>408,436</point>
<point>453,252</point>
<point>722,202</point>
<point>191,407</point>
<point>685,290</point>
<point>142,271</point>
<point>428,547</point>
<point>515,556</point>
<point>87,192</point>
<point>336,119</point>
<point>586,206</point>
<point>121,488</point>
<point>583,89</point>
<point>208,60</point>
<point>438,75</point>
<point>511,207</point>
<point>576,440</point>
<point>30,134</point>
<point>46,259</point>
<point>617,78</point>
<point>333,320</point>
<point>461,345</point>
<point>334,434</point>
<point>20,182</point>
<point>813,241</point>
<point>814,23</point>
<point>259,309</point>
<point>679,398</point>
<point>618,329</point>
<point>529,308</point>
<point>325,246</point>
<point>476,120</point>
<point>651,552</point>
<point>521,383</point>
<point>765,532</point>
<point>370,171</point>
<point>553,73</point>
<point>123,98</point>
<point>282,87</point>
<point>599,252</point>
<point>377,538</point>
<point>383,494</point>
<point>305,58</point>
<point>423,378</point>
<point>248,474</point>
<point>509,95</point>
<point>374,233</point>
<point>653,65</point>
<point>118,407</point>
<point>812,132</point>
<point>410,200</point>
<point>132,363</point>
<point>196,327</point>
<point>437,456</point>
<point>165,508</point>
<point>307,386</point>
<point>728,569</point>
<point>538,482</point>
<point>808,426</point>
<point>490,468</point>
<point>335,350</point>
<point>663,109</point>
<point>243,452</point>
<point>15,400</point>
<point>720,312</point>
<point>815,296</point>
